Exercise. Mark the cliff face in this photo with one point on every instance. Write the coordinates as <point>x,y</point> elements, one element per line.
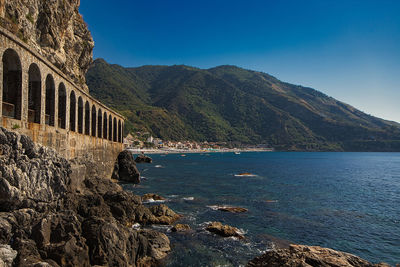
<point>55,29</point>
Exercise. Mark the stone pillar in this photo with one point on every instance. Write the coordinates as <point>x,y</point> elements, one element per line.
<point>67,108</point>
<point>56,82</point>
<point>42,98</point>
<point>1,80</point>
<point>24,92</point>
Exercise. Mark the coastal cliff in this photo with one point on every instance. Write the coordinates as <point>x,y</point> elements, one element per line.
<point>55,29</point>
<point>47,220</point>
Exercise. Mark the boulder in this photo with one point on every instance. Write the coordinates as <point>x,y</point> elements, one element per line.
<point>143,159</point>
<point>163,215</point>
<point>224,230</point>
<point>310,256</point>
<point>7,255</point>
<point>152,196</point>
<point>31,175</point>
<point>180,228</point>
<point>125,168</point>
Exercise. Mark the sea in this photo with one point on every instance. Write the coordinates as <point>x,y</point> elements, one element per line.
<point>344,201</point>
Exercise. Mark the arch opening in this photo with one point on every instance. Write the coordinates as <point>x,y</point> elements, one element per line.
<point>110,128</point>
<point>72,112</point>
<point>87,118</point>
<point>34,93</point>
<point>93,120</point>
<point>99,123</point>
<point>115,137</point>
<point>12,85</point>
<point>62,106</point>
<point>80,115</point>
<point>50,103</point>
<point>105,125</point>
<point>119,131</point>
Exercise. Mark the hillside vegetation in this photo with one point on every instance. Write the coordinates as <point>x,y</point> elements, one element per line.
<point>232,104</point>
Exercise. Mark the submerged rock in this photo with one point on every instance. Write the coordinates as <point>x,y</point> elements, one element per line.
<point>224,230</point>
<point>143,159</point>
<point>125,168</point>
<point>307,256</point>
<point>232,209</point>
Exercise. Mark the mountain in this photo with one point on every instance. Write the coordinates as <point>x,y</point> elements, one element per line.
<point>231,104</point>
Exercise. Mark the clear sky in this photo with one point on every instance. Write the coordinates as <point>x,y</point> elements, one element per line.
<point>349,50</point>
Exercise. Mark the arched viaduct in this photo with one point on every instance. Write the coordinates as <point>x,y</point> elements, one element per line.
<point>38,100</point>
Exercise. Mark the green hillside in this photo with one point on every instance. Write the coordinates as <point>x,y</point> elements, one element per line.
<point>232,104</point>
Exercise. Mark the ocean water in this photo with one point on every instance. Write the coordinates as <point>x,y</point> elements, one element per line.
<point>345,201</point>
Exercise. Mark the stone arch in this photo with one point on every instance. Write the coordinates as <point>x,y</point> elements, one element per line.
<point>87,118</point>
<point>80,115</point>
<point>115,137</point>
<point>62,106</point>
<point>50,100</point>
<point>105,125</point>
<point>12,85</point>
<point>119,131</point>
<point>99,123</point>
<point>110,128</point>
<point>34,93</point>
<point>93,120</point>
<point>72,112</point>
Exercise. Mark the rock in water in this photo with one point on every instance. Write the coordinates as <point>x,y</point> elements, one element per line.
<point>55,29</point>
<point>307,256</point>
<point>224,230</point>
<point>180,228</point>
<point>143,159</point>
<point>152,196</point>
<point>125,168</point>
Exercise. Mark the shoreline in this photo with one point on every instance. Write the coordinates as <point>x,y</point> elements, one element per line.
<point>196,151</point>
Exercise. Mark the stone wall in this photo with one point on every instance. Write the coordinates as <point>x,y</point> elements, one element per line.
<point>64,138</point>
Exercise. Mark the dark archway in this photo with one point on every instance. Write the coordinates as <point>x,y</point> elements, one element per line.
<point>80,115</point>
<point>50,103</point>
<point>72,112</point>
<point>105,125</point>
<point>93,120</point>
<point>12,85</point>
<point>99,123</point>
<point>34,93</point>
<point>119,131</point>
<point>110,129</point>
<point>62,106</point>
<point>87,118</point>
<point>115,137</point>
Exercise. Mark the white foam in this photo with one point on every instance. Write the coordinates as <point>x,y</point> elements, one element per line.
<point>158,166</point>
<point>188,198</point>
<point>136,226</point>
<point>150,200</point>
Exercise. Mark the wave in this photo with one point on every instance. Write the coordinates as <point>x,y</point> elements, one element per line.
<point>188,198</point>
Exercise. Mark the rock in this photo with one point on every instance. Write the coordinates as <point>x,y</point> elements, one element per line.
<point>7,255</point>
<point>143,159</point>
<point>163,214</point>
<point>55,29</point>
<point>48,222</point>
<point>31,175</point>
<point>180,228</point>
<point>152,196</point>
<point>300,255</point>
<point>224,230</point>
<point>125,168</point>
<point>232,209</point>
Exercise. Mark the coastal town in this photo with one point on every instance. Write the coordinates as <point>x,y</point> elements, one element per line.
<point>145,142</point>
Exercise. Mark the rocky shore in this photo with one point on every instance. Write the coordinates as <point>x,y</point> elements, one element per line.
<point>55,212</point>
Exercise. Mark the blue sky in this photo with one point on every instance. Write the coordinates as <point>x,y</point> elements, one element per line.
<point>349,50</point>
